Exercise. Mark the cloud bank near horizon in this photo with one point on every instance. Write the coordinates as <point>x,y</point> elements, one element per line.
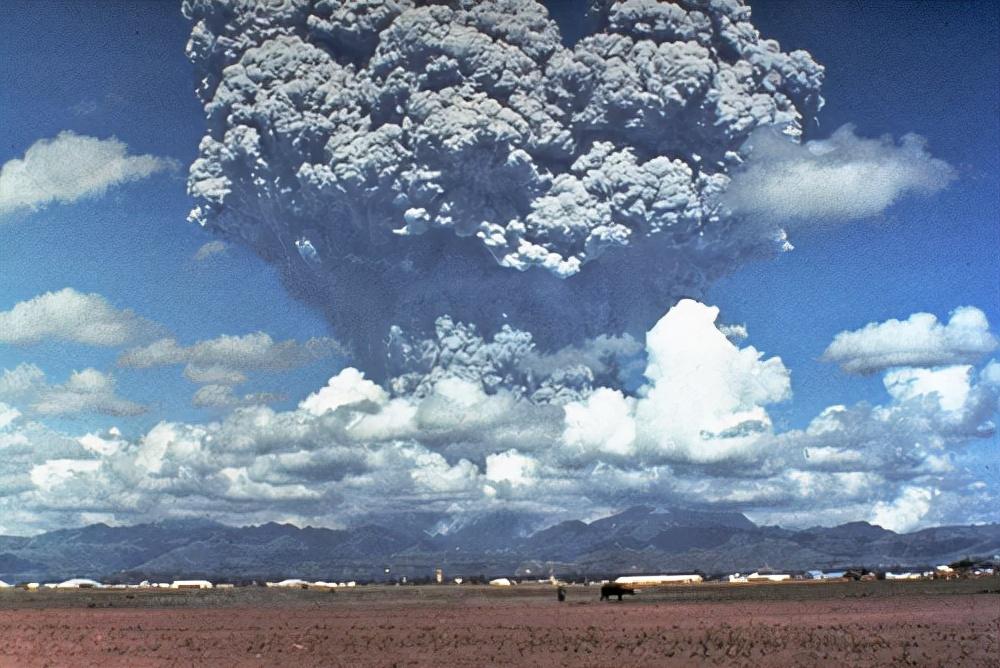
<point>353,449</point>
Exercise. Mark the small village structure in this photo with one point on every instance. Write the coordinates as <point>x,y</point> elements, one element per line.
<point>768,577</point>
<point>292,583</point>
<point>79,583</point>
<point>190,584</point>
<point>626,584</point>
<point>826,575</point>
<point>636,581</point>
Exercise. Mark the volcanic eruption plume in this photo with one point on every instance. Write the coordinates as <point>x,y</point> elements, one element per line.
<point>403,160</point>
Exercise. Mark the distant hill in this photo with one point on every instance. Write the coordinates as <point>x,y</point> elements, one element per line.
<point>639,539</point>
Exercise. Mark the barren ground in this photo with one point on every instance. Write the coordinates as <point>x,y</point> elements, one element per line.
<point>853,624</point>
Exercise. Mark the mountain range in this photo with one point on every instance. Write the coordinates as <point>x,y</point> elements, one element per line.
<point>639,540</point>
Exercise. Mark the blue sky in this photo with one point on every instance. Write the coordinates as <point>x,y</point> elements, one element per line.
<point>118,69</point>
<point>891,68</point>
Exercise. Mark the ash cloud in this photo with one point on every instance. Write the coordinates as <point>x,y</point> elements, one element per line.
<point>401,161</point>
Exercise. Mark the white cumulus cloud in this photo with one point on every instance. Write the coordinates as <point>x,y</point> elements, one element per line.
<point>948,386</point>
<point>698,434</point>
<point>844,177</point>
<point>86,391</point>
<point>69,167</point>
<point>920,340</point>
<point>905,511</point>
<point>69,315</point>
<point>705,396</point>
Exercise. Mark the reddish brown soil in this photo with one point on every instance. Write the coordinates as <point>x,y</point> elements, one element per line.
<point>475,627</point>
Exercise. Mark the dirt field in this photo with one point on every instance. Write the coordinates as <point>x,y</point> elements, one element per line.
<point>855,624</point>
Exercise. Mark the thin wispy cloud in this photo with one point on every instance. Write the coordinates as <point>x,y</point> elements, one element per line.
<point>210,250</point>
<point>226,360</point>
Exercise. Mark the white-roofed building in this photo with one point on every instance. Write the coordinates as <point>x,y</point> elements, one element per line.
<point>79,583</point>
<point>501,582</point>
<point>768,577</point>
<point>191,584</point>
<point>656,580</point>
<point>291,583</point>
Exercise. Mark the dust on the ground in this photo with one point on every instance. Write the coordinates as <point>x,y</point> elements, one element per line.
<point>858,624</point>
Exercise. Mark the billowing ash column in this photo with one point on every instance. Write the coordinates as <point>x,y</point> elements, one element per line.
<point>403,160</point>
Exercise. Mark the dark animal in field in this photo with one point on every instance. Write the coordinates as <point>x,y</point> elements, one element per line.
<point>561,594</point>
<point>612,589</point>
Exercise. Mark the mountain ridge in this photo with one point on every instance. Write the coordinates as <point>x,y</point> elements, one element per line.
<point>638,539</point>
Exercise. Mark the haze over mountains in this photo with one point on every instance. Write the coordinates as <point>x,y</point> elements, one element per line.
<point>639,539</point>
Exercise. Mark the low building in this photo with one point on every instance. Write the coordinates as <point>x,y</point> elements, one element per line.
<point>501,582</point>
<point>768,577</point>
<point>292,583</point>
<point>903,576</point>
<point>657,580</point>
<point>190,584</point>
<point>4,585</point>
<point>79,583</point>
<point>945,572</point>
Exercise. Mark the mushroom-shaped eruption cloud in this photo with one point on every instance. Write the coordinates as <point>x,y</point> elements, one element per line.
<point>400,160</point>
